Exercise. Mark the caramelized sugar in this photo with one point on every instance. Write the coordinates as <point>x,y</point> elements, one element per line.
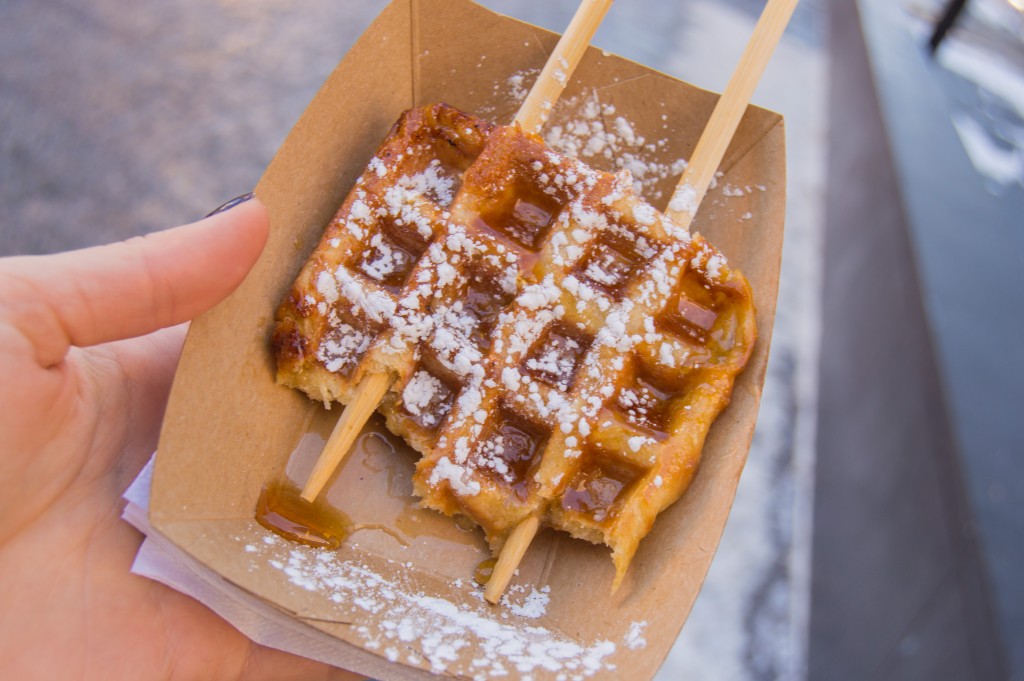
<point>391,255</point>
<point>414,522</point>
<point>485,299</point>
<point>530,215</point>
<point>696,315</point>
<point>288,342</point>
<point>597,486</point>
<point>693,309</point>
<point>383,464</point>
<point>459,144</point>
<point>510,450</point>
<point>609,266</point>
<point>522,444</point>
<point>524,216</point>
<point>556,356</point>
<point>528,258</point>
<point>281,510</point>
<point>465,524</point>
<point>380,451</point>
<point>432,389</point>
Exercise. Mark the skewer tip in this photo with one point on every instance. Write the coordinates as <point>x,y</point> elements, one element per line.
<point>510,557</point>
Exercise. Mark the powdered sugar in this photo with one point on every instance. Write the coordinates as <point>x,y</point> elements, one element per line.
<point>684,200</point>
<point>378,167</point>
<point>327,286</point>
<point>420,394</point>
<point>468,640</point>
<point>431,183</point>
<point>709,262</point>
<point>634,637</point>
<point>377,305</point>
<point>534,605</point>
<point>519,83</point>
<point>539,295</point>
<point>456,476</point>
<point>385,259</point>
<point>342,347</point>
<point>590,130</point>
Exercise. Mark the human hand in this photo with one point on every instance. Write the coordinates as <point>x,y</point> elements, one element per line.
<point>88,345</point>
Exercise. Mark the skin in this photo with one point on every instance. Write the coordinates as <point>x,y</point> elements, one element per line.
<point>88,345</point>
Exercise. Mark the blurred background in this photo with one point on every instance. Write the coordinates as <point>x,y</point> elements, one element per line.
<point>878,531</point>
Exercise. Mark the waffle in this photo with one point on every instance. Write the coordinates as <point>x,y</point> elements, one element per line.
<point>558,347</point>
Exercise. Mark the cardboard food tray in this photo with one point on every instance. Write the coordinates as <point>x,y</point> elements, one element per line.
<point>229,428</point>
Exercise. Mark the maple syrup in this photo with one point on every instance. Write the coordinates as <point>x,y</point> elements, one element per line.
<point>281,510</point>
<point>484,570</point>
<point>597,487</point>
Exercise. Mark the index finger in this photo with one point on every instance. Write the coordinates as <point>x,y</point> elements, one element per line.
<point>131,288</point>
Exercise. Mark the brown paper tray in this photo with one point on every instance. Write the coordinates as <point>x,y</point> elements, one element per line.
<point>229,428</point>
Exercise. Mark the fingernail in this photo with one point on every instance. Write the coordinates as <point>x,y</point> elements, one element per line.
<point>230,204</point>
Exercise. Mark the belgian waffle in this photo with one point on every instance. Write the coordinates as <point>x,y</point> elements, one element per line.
<point>557,346</point>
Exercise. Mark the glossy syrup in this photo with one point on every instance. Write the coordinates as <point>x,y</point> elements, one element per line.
<point>484,570</point>
<point>598,486</point>
<point>374,488</point>
<point>281,510</point>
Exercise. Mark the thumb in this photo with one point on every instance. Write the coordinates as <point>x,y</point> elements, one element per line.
<point>131,288</point>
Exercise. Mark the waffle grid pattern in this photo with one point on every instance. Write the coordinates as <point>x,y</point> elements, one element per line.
<point>558,347</point>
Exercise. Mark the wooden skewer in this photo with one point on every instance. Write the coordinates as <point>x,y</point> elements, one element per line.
<point>509,558</point>
<point>365,400</point>
<point>690,191</point>
<point>553,78</point>
<point>713,142</point>
<point>531,117</point>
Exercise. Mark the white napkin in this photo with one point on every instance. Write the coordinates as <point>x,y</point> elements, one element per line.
<point>159,560</point>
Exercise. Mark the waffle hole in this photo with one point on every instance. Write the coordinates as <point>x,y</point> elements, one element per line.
<point>485,299</point>
<point>428,396</point>
<point>693,309</point>
<point>391,256</point>
<point>609,267</point>
<point>439,180</point>
<point>342,346</point>
<point>522,213</point>
<point>598,487</point>
<point>510,451</point>
<point>646,403</point>
<point>556,358</point>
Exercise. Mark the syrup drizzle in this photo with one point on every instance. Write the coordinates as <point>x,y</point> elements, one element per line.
<point>484,570</point>
<point>281,510</point>
<point>381,461</point>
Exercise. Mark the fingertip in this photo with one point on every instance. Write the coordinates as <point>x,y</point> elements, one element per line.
<point>247,223</point>
<point>231,243</point>
<point>231,204</point>
<point>248,209</point>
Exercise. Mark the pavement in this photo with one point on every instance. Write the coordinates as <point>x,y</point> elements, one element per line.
<point>953,127</point>
<point>898,590</point>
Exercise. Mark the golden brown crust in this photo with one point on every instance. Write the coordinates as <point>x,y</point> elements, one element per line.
<point>558,347</point>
